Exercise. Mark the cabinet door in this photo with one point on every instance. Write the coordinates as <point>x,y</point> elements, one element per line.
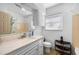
<point>5,23</point>
<point>33,51</point>
<point>41,47</point>
<point>1,27</point>
<point>75,31</point>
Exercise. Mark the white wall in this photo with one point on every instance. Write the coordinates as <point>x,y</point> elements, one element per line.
<point>66,10</point>
<point>51,36</point>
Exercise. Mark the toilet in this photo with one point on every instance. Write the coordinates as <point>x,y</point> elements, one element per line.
<point>47,46</point>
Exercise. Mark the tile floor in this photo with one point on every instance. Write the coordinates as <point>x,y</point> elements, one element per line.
<point>52,52</point>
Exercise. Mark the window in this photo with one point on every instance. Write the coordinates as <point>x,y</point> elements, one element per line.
<point>54,23</point>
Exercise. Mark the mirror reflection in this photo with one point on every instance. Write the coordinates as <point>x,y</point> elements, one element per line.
<point>14,18</point>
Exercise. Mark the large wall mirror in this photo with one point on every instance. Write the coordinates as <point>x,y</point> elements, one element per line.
<point>14,18</point>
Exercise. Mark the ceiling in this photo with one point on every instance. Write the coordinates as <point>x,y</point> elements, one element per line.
<point>46,5</point>
<point>26,8</point>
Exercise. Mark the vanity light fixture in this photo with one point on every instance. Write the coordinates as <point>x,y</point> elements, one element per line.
<point>23,9</point>
<point>18,5</point>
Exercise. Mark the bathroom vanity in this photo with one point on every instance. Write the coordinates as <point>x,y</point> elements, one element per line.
<point>23,46</point>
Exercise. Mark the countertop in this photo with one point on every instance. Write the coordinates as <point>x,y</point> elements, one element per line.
<point>11,45</point>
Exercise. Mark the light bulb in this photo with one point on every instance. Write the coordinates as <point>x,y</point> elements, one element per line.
<point>23,9</point>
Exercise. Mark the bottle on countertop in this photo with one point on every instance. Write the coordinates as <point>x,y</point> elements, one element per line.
<point>61,39</point>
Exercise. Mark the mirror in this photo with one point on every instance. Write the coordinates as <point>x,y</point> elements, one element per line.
<point>15,18</point>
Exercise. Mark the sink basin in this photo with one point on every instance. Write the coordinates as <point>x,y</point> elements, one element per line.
<point>32,37</point>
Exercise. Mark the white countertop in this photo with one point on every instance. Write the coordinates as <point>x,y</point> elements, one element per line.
<point>9,46</point>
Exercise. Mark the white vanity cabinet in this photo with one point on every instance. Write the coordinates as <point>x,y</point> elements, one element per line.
<point>34,48</point>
